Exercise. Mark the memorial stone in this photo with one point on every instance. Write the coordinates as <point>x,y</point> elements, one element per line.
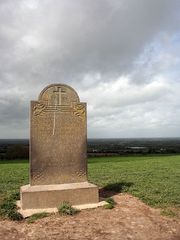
<point>58,146</point>
<point>58,137</point>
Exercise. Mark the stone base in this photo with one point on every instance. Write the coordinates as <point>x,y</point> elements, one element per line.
<point>28,212</point>
<point>51,196</point>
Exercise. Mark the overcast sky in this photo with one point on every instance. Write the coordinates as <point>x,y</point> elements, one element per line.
<point>121,56</point>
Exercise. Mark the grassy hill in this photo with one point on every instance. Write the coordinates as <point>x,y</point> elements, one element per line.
<point>153,179</point>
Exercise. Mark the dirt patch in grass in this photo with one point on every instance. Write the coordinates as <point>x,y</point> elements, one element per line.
<point>130,219</point>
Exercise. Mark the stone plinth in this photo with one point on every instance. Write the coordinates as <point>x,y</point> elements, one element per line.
<point>51,196</point>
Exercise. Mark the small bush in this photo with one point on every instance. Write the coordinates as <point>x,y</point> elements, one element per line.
<point>14,215</point>
<point>66,209</point>
<point>111,203</point>
<point>8,208</point>
<point>37,216</point>
<point>109,206</point>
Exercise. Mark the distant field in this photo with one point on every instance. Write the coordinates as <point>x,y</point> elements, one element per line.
<point>153,179</point>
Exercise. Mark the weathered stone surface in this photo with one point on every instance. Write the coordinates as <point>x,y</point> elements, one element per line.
<point>58,166</point>
<point>58,137</point>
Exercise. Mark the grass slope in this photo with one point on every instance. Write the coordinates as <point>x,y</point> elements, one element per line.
<point>13,174</point>
<point>153,179</point>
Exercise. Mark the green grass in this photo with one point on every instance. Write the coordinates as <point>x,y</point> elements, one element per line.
<point>37,216</point>
<point>13,174</point>
<point>111,203</point>
<point>153,179</point>
<point>169,213</point>
<point>8,208</point>
<point>66,209</point>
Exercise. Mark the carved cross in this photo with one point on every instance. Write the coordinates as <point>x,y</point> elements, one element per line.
<point>58,91</point>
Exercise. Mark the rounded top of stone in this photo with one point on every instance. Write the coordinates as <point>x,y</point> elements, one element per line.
<point>58,93</point>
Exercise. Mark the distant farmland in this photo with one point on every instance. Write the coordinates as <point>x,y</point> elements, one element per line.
<point>19,148</point>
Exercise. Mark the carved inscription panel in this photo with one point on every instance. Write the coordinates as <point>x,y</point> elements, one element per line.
<point>58,137</point>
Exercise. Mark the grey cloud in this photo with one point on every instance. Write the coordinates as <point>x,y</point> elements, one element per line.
<point>13,109</point>
<point>84,43</point>
<point>73,37</point>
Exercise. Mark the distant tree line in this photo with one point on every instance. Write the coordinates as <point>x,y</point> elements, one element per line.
<point>116,147</point>
<point>100,147</point>
<point>10,152</point>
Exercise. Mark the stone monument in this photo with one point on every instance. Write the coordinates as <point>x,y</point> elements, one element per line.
<point>58,139</point>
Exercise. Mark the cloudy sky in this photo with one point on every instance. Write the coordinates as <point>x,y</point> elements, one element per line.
<point>121,56</point>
